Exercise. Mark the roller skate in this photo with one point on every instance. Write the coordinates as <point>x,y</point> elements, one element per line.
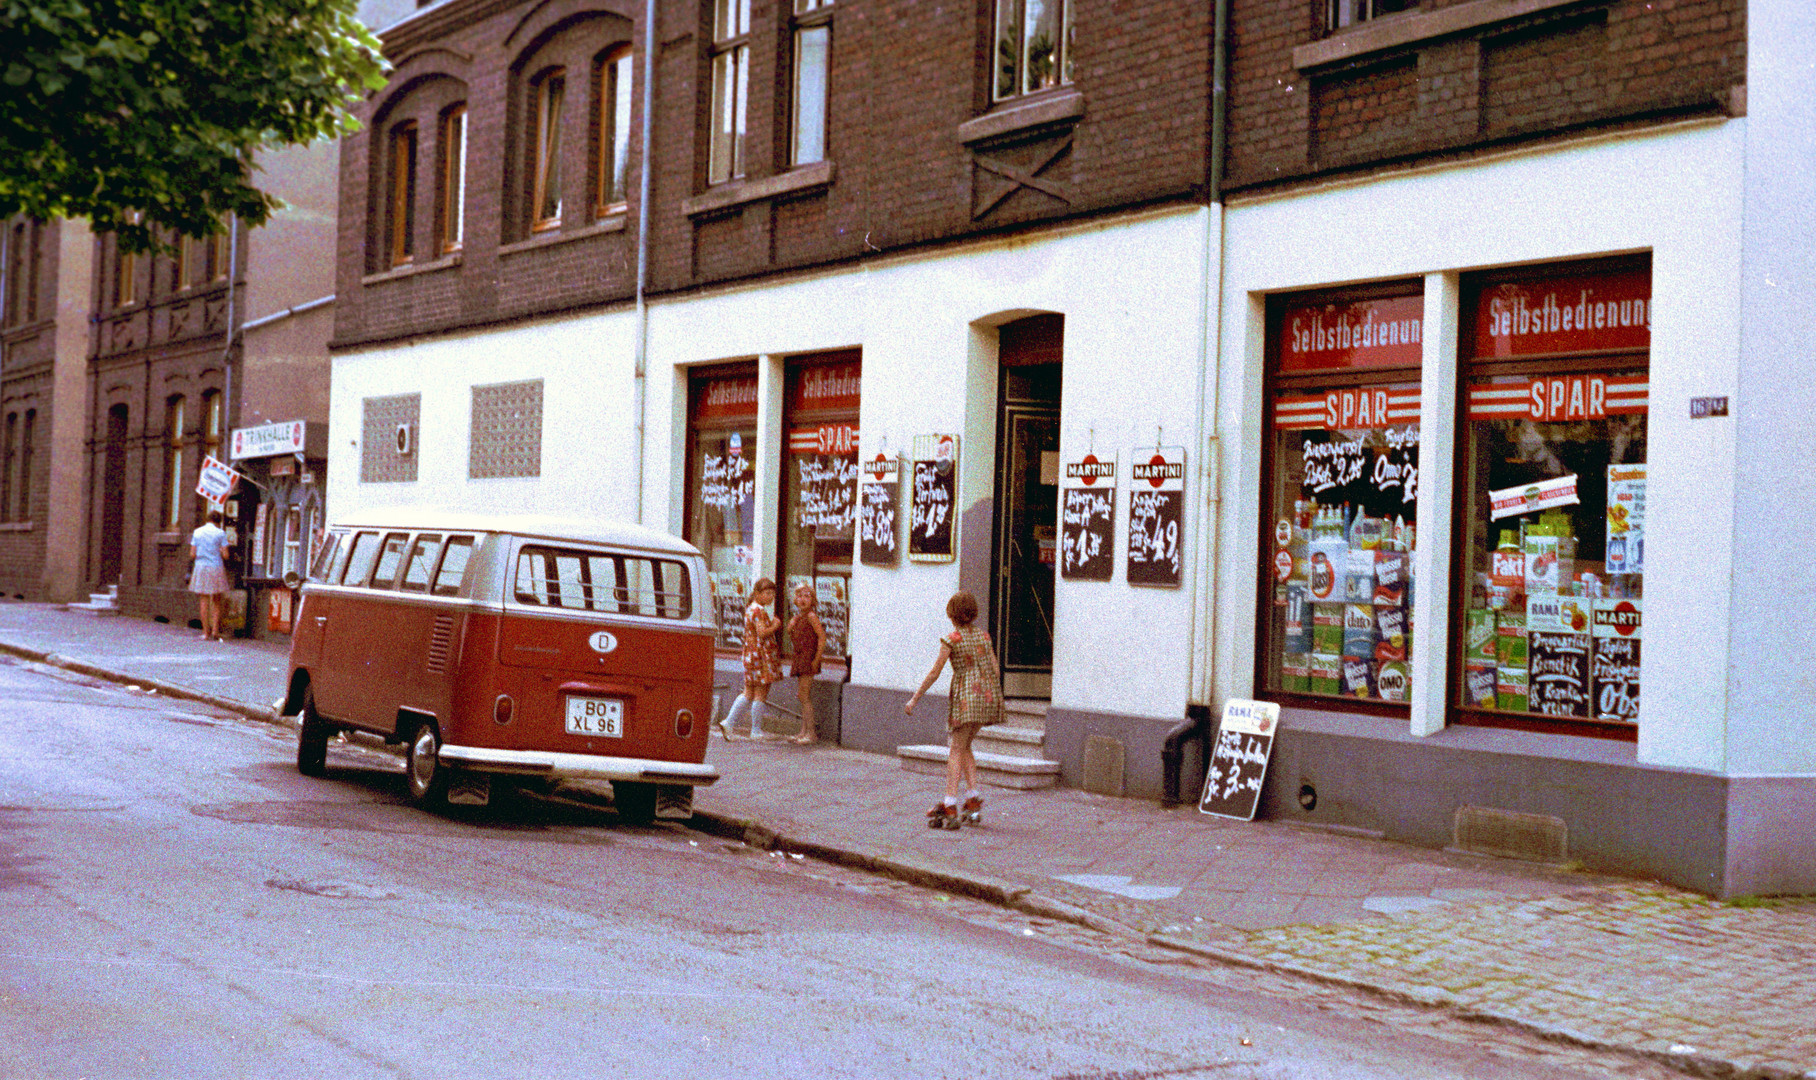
<point>972,812</point>
<point>944,815</point>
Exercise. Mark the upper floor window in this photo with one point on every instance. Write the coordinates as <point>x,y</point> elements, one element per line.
<point>179,263</point>
<point>1033,46</point>
<point>203,259</point>
<point>731,86</point>
<point>812,79</point>
<point>1342,13</point>
<point>451,181</point>
<point>125,277</point>
<point>173,463</point>
<point>21,299</point>
<point>545,150</point>
<point>612,106</point>
<point>400,196</point>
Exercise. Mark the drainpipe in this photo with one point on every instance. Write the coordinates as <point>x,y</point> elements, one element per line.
<point>641,366</point>
<point>1203,631</point>
<point>233,272</point>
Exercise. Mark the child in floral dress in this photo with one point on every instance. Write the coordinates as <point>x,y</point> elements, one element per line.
<point>762,661</point>
<point>976,701</point>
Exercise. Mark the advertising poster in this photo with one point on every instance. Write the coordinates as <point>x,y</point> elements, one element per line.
<point>1557,682</point>
<point>834,600</point>
<point>1087,520</point>
<point>1156,515</point>
<point>1626,519</point>
<point>933,505</point>
<point>879,494</point>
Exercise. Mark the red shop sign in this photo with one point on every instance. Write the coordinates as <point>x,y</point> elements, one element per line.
<point>828,386</point>
<point>840,439</point>
<point>1348,410</point>
<point>726,397</point>
<point>1559,398</point>
<point>1571,313</point>
<point>1353,334</point>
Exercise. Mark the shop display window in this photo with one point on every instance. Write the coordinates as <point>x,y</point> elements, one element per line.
<point>1552,471</point>
<point>1341,499</point>
<point>819,491</point>
<point>722,489</point>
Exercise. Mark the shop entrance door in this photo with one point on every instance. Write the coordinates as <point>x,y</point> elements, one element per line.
<point>1027,524</point>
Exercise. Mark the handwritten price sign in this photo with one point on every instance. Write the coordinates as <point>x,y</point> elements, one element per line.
<point>1239,758</point>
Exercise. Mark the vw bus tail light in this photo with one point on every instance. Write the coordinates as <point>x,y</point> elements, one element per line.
<point>503,708</point>
<point>684,723</point>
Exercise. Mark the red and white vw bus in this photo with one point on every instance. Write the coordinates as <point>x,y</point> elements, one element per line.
<point>520,647</point>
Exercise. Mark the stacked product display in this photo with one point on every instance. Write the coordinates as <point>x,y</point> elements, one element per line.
<point>1348,602</point>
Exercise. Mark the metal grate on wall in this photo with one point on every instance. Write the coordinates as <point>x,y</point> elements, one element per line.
<point>506,438</point>
<point>384,455</point>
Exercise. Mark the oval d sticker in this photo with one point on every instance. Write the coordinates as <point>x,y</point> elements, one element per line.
<point>602,642</point>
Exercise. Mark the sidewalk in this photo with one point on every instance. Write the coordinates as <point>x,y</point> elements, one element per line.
<point>1714,989</point>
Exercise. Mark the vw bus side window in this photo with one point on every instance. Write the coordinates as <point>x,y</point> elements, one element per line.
<point>388,560</point>
<point>422,560</point>
<point>359,563</point>
<point>453,565</point>
<point>324,559</point>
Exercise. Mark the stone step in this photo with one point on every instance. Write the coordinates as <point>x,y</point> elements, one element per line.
<point>997,770</point>
<point>1026,707</point>
<point>102,605</point>
<point>1011,741</point>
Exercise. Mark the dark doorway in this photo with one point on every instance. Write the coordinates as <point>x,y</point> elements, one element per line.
<point>1027,502</point>
<point>113,496</point>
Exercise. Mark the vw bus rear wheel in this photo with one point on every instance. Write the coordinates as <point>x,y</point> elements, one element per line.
<point>312,741</point>
<point>424,775</point>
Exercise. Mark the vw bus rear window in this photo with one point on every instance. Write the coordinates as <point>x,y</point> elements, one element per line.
<point>578,580</point>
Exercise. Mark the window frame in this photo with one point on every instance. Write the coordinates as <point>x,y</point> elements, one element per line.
<point>1015,12</point>
<point>451,180</point>
<point>548,98</point>
<point>401,144</point>
<point>1343,14</point>
<point>614,85</point>
<point>810,16</point>
<point>726,142</point>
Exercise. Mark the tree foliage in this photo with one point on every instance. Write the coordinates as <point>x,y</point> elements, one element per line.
<point>144,116</point>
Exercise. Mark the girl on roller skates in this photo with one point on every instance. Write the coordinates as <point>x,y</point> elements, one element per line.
<point>976,701</point>
<point>762,662</point>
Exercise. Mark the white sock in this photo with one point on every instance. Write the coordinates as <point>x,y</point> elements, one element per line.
<point>737,710</point>
<point>950,800</point>
<point>757,711</point>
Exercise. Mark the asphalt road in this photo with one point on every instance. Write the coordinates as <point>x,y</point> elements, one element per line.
<point>176,901</point>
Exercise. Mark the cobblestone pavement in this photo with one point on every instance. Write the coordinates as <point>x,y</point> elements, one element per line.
<point>1707,988</point>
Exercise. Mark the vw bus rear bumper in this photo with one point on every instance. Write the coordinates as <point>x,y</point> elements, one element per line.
<point>557,766</point>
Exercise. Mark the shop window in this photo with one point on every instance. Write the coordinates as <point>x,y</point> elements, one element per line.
<point>400,195</point>
<point>1033,49</point>
<point>547,91</point>
<point>1553,474</point>
<point>1341,496</point>
<point>722,488</point>
<point>294,531</point>
<point>451,181</point>
<point>612,132</point>
<point>819,489</point>
<point>812,80</point>
<point>730,90</point>
<point>173,463</point>
<point>1341,13</point>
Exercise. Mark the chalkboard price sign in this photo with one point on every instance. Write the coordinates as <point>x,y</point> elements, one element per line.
<point>1558,674</point>
<point>1156,515</point>
<point>877,501</point>
<point>1087,520</point>
<point>933,505</point>
<point>1238,766</point>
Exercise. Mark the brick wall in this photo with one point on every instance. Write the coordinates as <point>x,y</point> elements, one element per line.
<point>906,74</point>
<point>1564,69</point>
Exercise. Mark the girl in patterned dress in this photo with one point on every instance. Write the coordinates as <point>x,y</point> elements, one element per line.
<point>976,701</point>
<point>762,661</point>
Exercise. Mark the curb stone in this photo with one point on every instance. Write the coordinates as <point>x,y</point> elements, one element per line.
<point>263,714</point>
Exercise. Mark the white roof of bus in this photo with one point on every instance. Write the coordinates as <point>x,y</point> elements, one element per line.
<point>538,526</point>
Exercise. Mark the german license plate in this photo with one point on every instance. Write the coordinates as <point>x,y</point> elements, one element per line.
<point>595,716</point>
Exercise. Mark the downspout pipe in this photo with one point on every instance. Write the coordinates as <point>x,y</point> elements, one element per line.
<point>640,368</point>
<point>1200,717</point>
<point>233,273</point>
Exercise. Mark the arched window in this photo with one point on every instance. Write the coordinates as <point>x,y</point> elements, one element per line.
<point>547,92</point>
<point>612,131</point>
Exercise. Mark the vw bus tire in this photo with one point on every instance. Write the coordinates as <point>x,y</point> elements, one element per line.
<point>635,802</point>
<point>424,776</point>
<point>312,741</point>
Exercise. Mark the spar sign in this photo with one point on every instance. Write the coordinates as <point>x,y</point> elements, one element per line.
<point>217,480</point>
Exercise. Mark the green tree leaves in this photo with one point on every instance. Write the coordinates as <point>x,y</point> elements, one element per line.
<point>144,115</point>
